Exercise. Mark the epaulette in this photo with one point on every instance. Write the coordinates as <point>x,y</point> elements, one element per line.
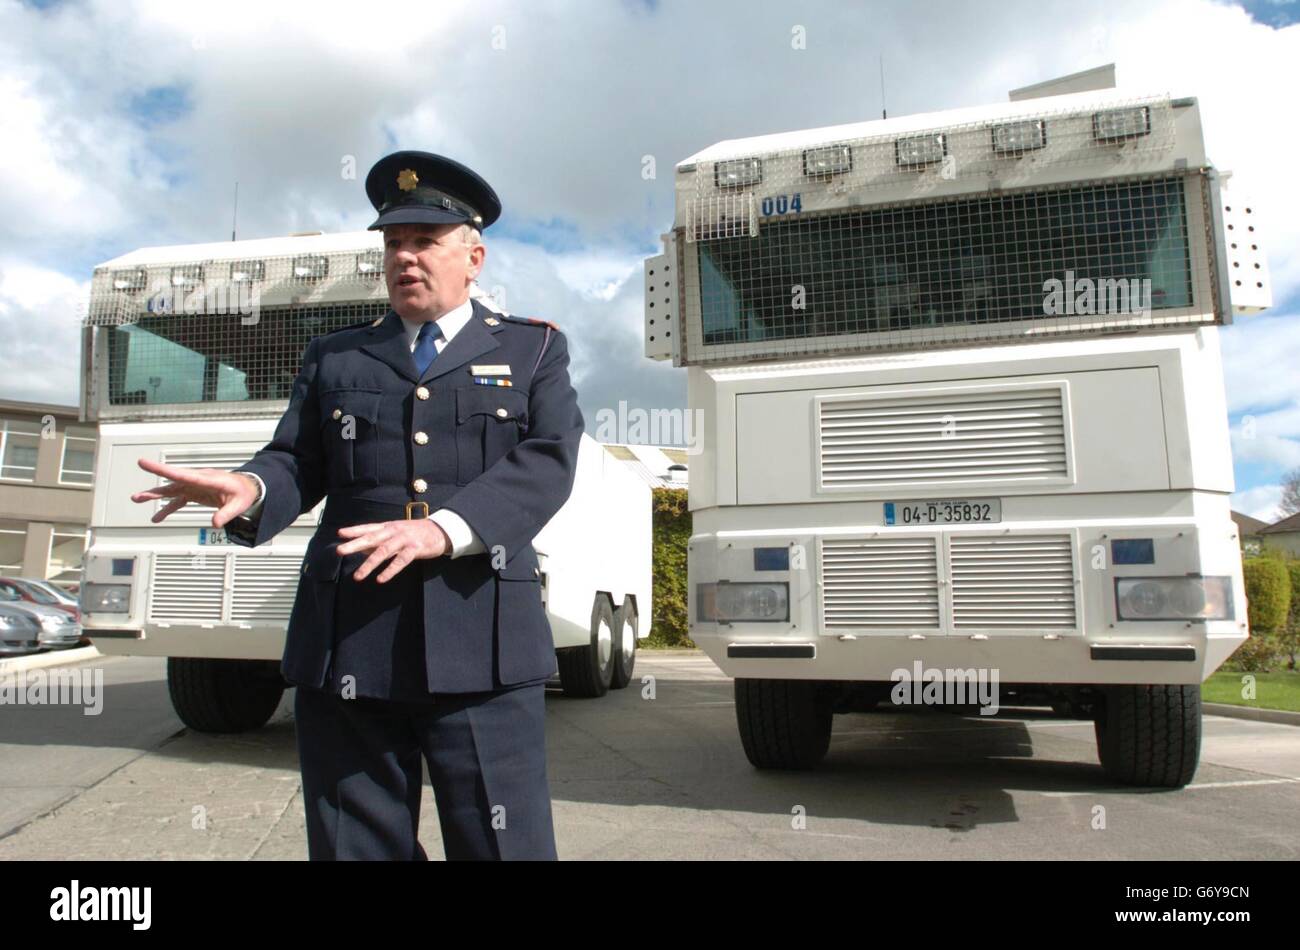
<point>535,321</point>
<point>355,326</point>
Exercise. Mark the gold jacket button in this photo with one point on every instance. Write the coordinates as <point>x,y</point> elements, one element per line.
<point>421,438</point>
<point>421,393</point>
<point>419,485</point>
<point>501,412</point>
<point>337,414</point>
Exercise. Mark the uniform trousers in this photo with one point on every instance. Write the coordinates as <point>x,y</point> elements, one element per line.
<point>361,774</point>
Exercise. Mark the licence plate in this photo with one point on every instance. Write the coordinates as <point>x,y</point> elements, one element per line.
<point>944,511</point>
<point>213,536</point>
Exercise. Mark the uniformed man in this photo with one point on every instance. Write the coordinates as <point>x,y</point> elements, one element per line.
<point>442,437</point>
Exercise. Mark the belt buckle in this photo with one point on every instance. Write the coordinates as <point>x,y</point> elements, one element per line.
<point>413,504</point>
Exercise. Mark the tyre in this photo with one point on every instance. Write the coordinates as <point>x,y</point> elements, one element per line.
<point>625,631</point>
<point>224,695</point>
<point>784,724</point>
<point>1150,735</point>
<point>587,671</point>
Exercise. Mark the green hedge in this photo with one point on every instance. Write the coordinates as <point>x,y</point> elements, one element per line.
<point>1268,594</point>
<point>672,531</point>
<point>1269,585</point>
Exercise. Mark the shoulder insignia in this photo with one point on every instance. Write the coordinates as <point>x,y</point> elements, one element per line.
<point>492,321</point>
<point>376,322</point>
<point>535,321</point>
<point>355,326</point>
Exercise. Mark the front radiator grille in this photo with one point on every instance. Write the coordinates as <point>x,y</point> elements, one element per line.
<point>264,589</point>
<point>880,583</point>
<point>186,588</point>
<point>980,436</point>
<point>190,588</point>
<point>1012,581</point>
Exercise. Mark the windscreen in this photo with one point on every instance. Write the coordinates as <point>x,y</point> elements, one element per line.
<point>212,358</point>
<point>1076,256</point>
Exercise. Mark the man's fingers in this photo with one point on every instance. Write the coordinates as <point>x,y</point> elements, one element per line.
<point>377,557</point>
<point>395,567</point>
<point>173,506</point>
<point>352,531</point>
<point>162,491</point>
<point>229,510</point>
<point>191,476</point>
<point>376,535</point>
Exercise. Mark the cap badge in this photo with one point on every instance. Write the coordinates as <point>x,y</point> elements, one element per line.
<point>407,179</point>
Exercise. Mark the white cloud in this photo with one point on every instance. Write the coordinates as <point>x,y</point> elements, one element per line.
<point>39,322</point>
<point>1259,502</point>
<point>557,106</point>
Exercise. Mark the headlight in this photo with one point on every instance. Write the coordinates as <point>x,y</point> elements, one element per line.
<point>1173,598</point>
<point>15,622</point>
<point>106,598</point>
<point>726,602</point>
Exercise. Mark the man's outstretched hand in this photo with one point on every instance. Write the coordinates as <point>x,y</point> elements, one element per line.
<point>231,493</point>
<point>403,541</point>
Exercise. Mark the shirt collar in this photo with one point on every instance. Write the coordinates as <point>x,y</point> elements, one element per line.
<point>450,323</point>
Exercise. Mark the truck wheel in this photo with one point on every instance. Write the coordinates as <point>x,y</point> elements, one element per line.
<point>625,631</point>
<point>784,724</point>
<point>224,695</point>
<point>587,671</point>
<point>1150,735</point>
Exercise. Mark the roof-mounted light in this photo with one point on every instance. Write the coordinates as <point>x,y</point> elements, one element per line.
<point>247,271</point>
<point>187,275</point>
<point>370,263</point>
<point>1014,138</point>
<point>738,173</point>
<point>827,161</point>
<point>917,151</point>
<point>310,266</point>
<point>133,278</point>
<point>1116,125</point>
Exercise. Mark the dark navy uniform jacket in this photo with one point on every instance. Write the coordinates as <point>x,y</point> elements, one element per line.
<point>501,457</point>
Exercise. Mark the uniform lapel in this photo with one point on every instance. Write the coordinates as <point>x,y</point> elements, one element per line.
<point>473,340</point>
<point>390,343</point>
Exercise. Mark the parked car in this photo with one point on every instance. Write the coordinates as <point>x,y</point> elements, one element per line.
<point>55,629</point>
<point>20,630</point>
<point>34,591</point>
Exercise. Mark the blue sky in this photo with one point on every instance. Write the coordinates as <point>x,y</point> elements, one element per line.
<point>127,124</point>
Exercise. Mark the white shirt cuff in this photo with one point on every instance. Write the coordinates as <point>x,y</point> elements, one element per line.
<point>462,536</point>
<point>256,508</point>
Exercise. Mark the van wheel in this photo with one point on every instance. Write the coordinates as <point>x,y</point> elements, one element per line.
<point>784,724</point>
<point>1149,735</point>
<point>587,671</point>
<point>220,696</point>
<point>625,631</point>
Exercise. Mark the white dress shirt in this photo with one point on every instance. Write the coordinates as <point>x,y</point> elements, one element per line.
<point>462,536</point>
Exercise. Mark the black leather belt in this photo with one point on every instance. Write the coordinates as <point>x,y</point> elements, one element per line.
<point>344,511</point>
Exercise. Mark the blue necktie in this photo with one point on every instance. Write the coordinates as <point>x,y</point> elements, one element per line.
<point>426,351</point>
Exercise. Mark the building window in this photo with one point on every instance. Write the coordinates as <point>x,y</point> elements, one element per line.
<point>78,465</point>
<point>66,549</point>
<point>13,539</point>
<point>20,442</point>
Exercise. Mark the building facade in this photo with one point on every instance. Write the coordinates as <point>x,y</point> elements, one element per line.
<point>47,463</point>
